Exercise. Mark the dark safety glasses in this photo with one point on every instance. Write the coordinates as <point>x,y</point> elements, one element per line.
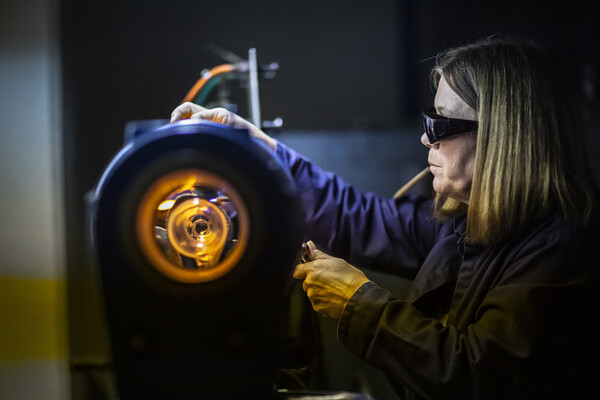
<point>437,127</point>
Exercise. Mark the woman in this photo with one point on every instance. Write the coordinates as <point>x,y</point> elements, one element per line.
<point>505,285</point>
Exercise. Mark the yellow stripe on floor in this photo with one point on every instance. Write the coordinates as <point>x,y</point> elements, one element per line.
<point>32,319</point>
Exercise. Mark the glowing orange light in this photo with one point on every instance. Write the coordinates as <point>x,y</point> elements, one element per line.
<point>195,229</point>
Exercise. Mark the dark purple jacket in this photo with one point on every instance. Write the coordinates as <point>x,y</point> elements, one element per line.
<point>522,317</point>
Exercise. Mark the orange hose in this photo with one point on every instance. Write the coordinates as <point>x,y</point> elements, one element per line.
<point>220,69</point>
<point>402,191</point>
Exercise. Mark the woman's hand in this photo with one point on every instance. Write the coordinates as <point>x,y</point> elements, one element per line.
<point>329,282</point>
<point>223,116</point>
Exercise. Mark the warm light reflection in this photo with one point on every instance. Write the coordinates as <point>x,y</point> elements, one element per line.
<point>166,205</point>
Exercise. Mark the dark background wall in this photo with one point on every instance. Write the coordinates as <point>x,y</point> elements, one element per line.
<point>351,72</point>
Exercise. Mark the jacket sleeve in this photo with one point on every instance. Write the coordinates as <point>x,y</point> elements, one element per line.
<point>381,234</point>
<point>533,335</point>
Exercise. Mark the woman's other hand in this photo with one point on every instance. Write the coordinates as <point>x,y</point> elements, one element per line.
<point>329,282</point>
<point>223,116</point>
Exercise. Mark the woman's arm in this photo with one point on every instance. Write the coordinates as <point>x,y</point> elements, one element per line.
<point>389,235</point>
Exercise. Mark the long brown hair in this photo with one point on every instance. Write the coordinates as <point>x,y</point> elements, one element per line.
<point>530,160</point>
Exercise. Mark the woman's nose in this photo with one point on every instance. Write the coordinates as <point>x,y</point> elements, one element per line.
<point>425,140</point>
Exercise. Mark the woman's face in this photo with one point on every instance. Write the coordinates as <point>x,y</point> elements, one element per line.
<point>452,160</point>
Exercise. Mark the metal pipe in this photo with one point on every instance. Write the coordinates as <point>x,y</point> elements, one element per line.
<point>253,94</point>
